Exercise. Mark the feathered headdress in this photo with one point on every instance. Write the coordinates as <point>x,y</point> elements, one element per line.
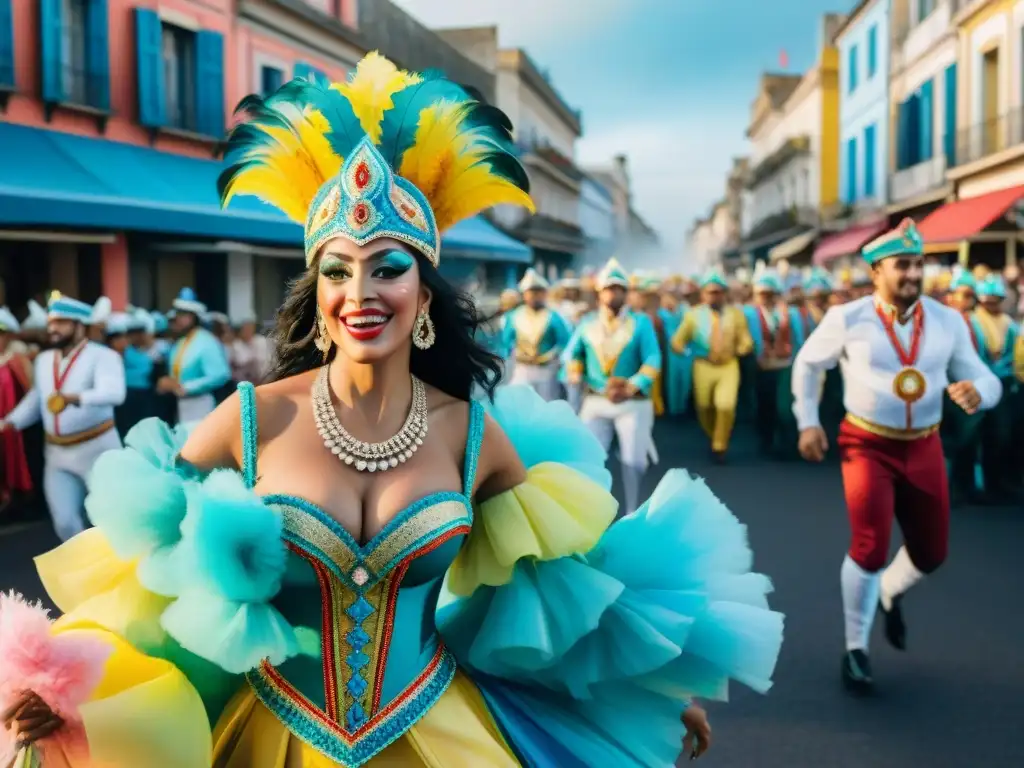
<point>388,154</point>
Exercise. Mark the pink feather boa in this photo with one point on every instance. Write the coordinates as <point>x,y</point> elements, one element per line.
<point>63,670</point>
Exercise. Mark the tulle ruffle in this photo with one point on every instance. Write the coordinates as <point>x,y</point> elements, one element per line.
<point>206,542</point>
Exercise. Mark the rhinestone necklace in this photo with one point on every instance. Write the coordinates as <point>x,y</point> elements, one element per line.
<point>369,457</point>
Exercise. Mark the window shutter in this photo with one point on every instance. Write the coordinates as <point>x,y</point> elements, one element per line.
<point>98,51</point>
<point>914,130</point>
<point>50,51</point>
<point>210,83</point>
<point>150,65</point>
<point>851,170</point>
<point>950,117</point>
<point>6,44</point>
<point>927,118</point>
<point>869,161</point>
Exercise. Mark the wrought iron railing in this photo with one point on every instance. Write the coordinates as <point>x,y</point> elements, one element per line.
<point>991,136</point>
<point>79,86</point>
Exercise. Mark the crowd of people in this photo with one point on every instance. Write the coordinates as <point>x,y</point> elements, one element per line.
<point>135,364</point>
<point>718,347</point>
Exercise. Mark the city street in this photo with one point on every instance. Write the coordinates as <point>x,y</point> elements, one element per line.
<point>954,699</point>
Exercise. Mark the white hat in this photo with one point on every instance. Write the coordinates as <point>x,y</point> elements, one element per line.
<point>100,311</point>
<point>36,319</point>
<point>144,321</point>
<point>187,302</point>
<point>8,322</point>
<point>65,308</point>
<point>117,323</point>
<point>532,281</point>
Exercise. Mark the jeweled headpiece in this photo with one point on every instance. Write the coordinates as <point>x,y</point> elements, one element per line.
<point>387,154</point>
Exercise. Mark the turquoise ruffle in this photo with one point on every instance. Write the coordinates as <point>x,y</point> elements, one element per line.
<point>544,431</point>
<point>205,540</point>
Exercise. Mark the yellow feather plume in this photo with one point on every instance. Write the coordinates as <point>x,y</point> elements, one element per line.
<point>370,90</point>
<point>445,164</point>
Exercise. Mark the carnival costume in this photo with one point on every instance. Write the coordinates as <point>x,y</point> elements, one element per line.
<point>560,637</point>
<point>895,372</point>
<point>536,338</point>
<point>199,363</point>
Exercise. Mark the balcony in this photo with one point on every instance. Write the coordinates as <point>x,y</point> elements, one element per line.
<point>984,139</point>
<point>918,179</point>
<point>797,146</point>
<point>913,41</point>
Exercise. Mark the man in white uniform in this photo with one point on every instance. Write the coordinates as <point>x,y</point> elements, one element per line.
<point>536,336</point>
<point>899,352</point>
<point>77,385</point>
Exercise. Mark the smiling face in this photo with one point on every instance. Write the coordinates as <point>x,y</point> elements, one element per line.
<point>369,297</point>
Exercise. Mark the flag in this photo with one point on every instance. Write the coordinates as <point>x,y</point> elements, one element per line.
<point>783,59</point>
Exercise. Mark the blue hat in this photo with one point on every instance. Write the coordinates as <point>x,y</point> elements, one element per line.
<point>963,279</point>
<point>768,280</point>
<point>992,286</point>
<point>65,308</point>
<point>187,302</point>
<point>818,280</point>
<point>712,277</point>
<point>159,322</point>
<point>612,274</point>
<point>904,240</point>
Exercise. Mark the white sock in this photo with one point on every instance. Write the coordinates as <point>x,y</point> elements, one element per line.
<point>900,575</point>
<point>860,599</point>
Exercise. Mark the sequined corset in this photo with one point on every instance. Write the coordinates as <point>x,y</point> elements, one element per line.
<point>381,664</point>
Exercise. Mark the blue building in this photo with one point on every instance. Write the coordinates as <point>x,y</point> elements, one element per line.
<point>863,43</point>
<point>597,220</point>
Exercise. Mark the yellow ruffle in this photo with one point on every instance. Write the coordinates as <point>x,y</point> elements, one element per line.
<point>555,512</point>
<point>457,731</point>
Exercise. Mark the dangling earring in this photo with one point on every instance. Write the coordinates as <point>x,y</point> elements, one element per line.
<point>322,340</point>
<point>423,335</point>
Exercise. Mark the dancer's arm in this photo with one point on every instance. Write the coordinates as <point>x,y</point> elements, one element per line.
<point>819,353</point>
<point>108,385</point>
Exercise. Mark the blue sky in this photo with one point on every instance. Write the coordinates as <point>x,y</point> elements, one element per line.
<point>668,82</point>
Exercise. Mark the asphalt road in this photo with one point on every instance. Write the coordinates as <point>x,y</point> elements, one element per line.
<point>955,699</point>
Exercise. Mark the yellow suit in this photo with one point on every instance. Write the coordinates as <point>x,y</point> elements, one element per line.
<point>717,339</point>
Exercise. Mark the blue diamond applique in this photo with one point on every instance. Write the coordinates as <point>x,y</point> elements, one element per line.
<point>357,686</point>
<point>355,717</point>
<point>360,610</point>
<point>358,638</point>
<point>357,660</point>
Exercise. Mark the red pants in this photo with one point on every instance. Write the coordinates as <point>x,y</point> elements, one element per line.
<point>883,478</point>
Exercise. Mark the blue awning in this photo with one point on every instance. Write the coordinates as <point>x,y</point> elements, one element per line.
<point>58,179</point>
<point>477,238</point>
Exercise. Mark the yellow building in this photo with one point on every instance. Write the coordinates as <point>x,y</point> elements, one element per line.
<point>987,169</point>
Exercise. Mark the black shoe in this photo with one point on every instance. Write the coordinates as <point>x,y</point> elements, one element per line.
<point>857,671</point>
<point>895,627</point>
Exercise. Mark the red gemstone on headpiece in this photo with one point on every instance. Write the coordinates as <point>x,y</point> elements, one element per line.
<point>409,211</point>
<point>362,175</point>
<point>361,213</point>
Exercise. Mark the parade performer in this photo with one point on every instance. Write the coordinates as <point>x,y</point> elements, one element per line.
<point>536,336</point>
<point>768,321</point>
<point>716,333</point>
<point>96,325</point>
<point>249,352</point>
<point>77,385</point>
<point>613,360</point>
<point>649,289</point>
<point>198,364</point>
<point>139,402</point>
<point>563,639</point>
<point>960,430</point>
<point>570,304</point>
<point>898,351</point>
<point>678,365</point>
<point>1000,340</point>
<point>15,382</point>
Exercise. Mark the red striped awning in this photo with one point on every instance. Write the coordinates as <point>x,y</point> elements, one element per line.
<point>847,242</point>
<point>962,219</point>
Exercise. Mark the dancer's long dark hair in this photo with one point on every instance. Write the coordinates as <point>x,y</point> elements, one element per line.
<point>455,364</point>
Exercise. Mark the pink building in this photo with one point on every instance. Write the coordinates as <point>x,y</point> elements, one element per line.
<point>112,117</point>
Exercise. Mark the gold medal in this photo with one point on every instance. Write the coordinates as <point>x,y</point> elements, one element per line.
<point>909,385</point>
<point>56,403</point>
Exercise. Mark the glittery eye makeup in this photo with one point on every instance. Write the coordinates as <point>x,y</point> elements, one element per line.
<point>333,268</point>
<point>392,264</point>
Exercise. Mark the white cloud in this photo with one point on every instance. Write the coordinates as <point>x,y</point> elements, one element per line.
<point>678,167</point>
<point>523,23</point>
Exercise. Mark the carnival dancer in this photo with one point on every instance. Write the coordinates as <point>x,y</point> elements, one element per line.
<point>198,364</point>
<point>15,382</point>
<point>960,430</point>
<point>77,385</point>
<point>1000,341</point>
<point>139,400</point>
<point>716,333</point>
<point>649,290</point>
<point>536,335</point>
<point>898,351</point>
<point>570,304</point>
<point>768,321</point>
<point>678,366</point>
<point>613,359</point>
<point>562,638</point>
